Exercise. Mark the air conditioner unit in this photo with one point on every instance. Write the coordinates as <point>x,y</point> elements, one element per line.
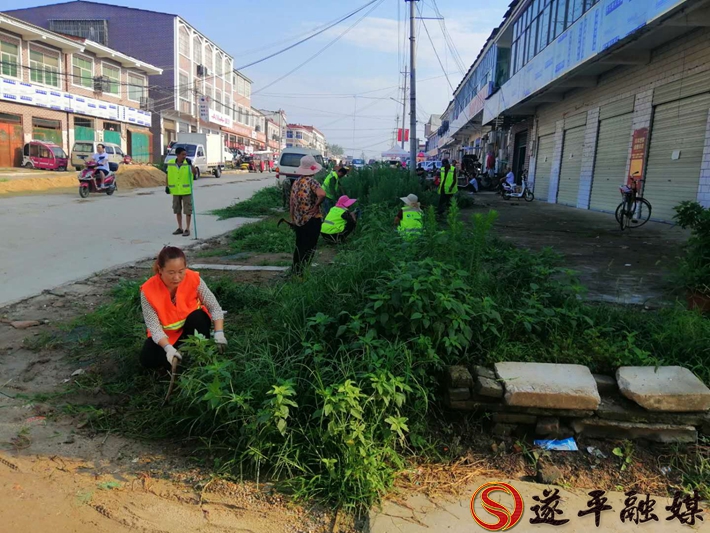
<point>101,84</point>
<point>202,71</point>
<point>146,103</point>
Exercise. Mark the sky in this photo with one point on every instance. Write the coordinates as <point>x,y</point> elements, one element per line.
<point>347,90</point>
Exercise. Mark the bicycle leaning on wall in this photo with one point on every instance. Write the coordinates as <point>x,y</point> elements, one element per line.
<point>634,210</point>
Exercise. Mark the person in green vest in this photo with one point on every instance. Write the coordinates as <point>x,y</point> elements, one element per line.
<point>178,183</point>
<point>340,222</point>
<point>333,188</point>
<point>448,186</point>
<point>409,221</point>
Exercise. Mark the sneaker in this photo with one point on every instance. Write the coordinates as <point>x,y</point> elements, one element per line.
<point>177,231</point>
<point>186,233</point>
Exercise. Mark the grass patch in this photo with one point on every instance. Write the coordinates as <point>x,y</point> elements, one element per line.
<point>262,204</point>
<point>327,383</point>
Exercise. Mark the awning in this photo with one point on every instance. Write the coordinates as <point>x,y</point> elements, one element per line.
<point>395,153</point>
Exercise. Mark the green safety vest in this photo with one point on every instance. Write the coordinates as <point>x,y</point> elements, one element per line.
<point>411,223</point>
<point>447,181</point>
<point>179,178</point>
<point>334,223</point>
<point>331,187</point>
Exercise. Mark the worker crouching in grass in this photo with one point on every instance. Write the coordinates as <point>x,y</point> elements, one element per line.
<point>176,304</point>
<point>340,222</point>
<point>410,219</point>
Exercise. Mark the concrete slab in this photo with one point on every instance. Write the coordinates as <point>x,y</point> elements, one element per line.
<point>665,388</point>
<point>609,429</point>
<point>420,514</point>
<point>548,385</point>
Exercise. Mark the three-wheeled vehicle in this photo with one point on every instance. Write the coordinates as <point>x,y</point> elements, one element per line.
<point>43,155</point>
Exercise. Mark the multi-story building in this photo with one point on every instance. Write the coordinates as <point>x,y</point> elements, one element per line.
<point>278,118</point>
<point>199,90</point>
<point>431,134</point>
<point>65,89</point>
<point>273,137</point>
<point>585,93</point>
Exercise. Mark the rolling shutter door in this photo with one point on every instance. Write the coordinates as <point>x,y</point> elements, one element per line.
<point>678,127</point>
<point>571,166</point>
<point>610,164</point>
<point>140,151</point>
<point>545,149</point>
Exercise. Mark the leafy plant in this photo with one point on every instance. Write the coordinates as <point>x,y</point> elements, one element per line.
<point>626,453</point>
<point>263,203</point>
<point>694,267</point>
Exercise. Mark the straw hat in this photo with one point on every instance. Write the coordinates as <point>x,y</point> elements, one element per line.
<point>412,200</point>
<point>308,166</point>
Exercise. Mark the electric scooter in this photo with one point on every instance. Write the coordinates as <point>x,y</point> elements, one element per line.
<point>91,180</point>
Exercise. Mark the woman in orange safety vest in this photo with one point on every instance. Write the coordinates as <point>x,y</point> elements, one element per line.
<point>176,304</point>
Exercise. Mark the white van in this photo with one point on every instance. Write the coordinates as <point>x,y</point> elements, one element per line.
<point>291,160</point>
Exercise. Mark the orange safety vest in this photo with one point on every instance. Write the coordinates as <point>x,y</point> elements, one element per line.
<point>173,315</point>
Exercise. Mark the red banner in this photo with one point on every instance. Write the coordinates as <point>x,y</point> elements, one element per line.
<point>399,135</point>
<point>638,155</point>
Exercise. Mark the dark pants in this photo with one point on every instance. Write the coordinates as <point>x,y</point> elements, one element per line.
<point>153,356</point>
<point>306,242</point>
<point>337,238</point>
<point>444,202</point>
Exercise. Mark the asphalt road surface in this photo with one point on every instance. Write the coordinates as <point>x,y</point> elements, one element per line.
<point>48,240</point>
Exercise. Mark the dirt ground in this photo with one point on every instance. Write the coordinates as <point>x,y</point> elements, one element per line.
<point>630,267</point>
<point>88,482</point>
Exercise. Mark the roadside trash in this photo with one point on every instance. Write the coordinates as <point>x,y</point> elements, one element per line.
<point>627,265</point>
<point>665,470</point>
<point>596,452</point>
<point>78,372</point>
<point>35,419</point>
<point>563,445</point>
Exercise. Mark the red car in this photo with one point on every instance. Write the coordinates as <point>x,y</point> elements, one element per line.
<point>43,155</point>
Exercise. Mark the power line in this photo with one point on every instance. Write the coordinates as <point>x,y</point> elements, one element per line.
<point>342,19</point>
<point>331,43</point>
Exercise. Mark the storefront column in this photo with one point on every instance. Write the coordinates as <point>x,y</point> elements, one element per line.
<point>556,161</point>
<point>704,184</point>
<point>590,149</point>
<point>643,111</point>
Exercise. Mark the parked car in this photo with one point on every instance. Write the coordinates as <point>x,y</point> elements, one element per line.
<point>291,160</point>
<point>44,156</point>
<point>84,149</point>
<point>432,167</point>
<point>358,164</point>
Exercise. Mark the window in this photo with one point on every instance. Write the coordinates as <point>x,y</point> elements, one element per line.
<point>83,71</point>
<point>247,89</point>
<point>114,78</point>
<point>84,147</point>
<point>80,122</point>
<point>200,152</point>
<point>119,151</point>
<point>240,86</point>
<point>184,41</point>
<point>289,134</point>
<point>184,85</point>
<point>136,87</point>
<point>227,105</point>
<point>197,50</point>
<point>209,58</point>
<point>209,94</point>
<point>44,68</point>
<point>9,58</point>
<point>219,64</point>
<point>218,101</point>
<point>109,149</point>
<point>299,135</point>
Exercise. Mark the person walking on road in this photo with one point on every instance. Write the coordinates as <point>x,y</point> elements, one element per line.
<point>176,304</point>
<point>340,222</point>
<point>305,207</point>
<point>448,186</point>
<point>178,183</point>
<point>333,188</point>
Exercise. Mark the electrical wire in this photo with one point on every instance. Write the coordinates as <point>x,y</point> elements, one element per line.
<point>342,19</point>
<point>331,43</point>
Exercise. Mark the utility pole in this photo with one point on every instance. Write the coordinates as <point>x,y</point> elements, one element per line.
<point>413,146</point>
<point>404,105</point>
<point>354,118</point>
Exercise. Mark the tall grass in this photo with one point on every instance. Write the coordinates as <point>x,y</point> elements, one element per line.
<point>327,382</point>
<point>264,202</point>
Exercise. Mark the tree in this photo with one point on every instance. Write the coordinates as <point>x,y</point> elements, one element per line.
<point>335,149</point>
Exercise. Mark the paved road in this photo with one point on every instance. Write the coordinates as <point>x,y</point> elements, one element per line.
<point>52,239</point>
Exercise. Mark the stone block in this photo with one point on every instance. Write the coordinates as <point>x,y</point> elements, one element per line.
<point>514,418</point>
<point>459,378</point>
<point>488,387</point>
<point>665,388</point>
<point>457,395</point>
<point>548,474</point>
<point>605,384</point>
<point>503,430</point>
<point>483,372</point>
<point>618,408</point>
<point>609,429</point>
<point>549,386</point>
<point>547,426</point>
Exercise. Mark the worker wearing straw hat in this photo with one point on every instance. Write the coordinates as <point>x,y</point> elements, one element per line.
<point>305,207</point>
<point>409,220</point>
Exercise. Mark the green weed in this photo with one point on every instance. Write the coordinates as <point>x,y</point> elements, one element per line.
<point>264,203</point>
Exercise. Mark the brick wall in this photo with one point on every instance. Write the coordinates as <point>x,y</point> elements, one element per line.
<point>28,112</point>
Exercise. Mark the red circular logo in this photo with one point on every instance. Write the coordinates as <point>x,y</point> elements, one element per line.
<point>507,519</point>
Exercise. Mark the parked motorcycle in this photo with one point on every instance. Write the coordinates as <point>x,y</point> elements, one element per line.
<point>91,180</point>
<point>519,191</point>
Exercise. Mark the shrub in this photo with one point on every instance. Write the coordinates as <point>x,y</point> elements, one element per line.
<point>694,268</point>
